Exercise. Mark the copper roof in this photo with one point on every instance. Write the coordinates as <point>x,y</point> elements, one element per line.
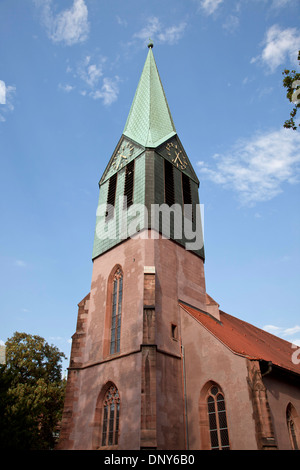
<point>247,340</point>
<point>149,122</point>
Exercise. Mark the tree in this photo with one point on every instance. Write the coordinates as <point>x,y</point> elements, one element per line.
<point>292,83</point>
<point>31,393</point>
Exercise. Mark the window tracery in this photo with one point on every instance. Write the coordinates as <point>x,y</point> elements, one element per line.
<point>110,421</point>
<point>117,294</point>
<point>218,428</point>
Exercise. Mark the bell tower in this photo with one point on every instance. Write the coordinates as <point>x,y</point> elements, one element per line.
<point>126,387</point>
<point>151,171</point>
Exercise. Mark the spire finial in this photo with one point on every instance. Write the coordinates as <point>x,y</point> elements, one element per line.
<point>150,44</point>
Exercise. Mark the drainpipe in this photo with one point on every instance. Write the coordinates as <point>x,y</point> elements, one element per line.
<point>184,398</point>
<point>268,370</point>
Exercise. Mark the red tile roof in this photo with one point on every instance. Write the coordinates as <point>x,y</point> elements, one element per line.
<point>247,340</point>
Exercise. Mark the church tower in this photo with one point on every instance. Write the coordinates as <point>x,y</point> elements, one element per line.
<point>126,381</point>
<point>154,363</point>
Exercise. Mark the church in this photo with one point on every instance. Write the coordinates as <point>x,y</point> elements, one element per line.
<point>155,363</point>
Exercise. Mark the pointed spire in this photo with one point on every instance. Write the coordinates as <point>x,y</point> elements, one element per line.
<point>149,122</point>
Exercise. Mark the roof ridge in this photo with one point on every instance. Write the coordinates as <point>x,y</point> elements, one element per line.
<point>247,340</point>
<point>256,327</point>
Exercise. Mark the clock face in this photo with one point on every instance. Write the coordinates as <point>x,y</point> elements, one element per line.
<point>177,156</point>
<point>121,158</point>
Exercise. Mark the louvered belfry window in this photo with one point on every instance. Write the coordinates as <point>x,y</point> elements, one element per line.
<point>218,428</point>
<point>169,184</point>
<point>128,187</point>
<point>117,294</point>
<point>111,196</point>
<point>111,412</point>
<point>187,196</point>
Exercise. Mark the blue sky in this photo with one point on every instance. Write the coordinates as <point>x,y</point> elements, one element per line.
<point>68,73</point>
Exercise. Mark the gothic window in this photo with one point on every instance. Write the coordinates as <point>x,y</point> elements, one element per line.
<point>110,419</point>
<point>291,417</point>
<point>169,184</point>
<point>116,313</point>
<point>218,428</point>
<point>111,196</point>
<point>128,187</point>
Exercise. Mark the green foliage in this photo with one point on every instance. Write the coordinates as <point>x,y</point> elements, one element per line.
<point>31,393</point>
<point>288,81</point>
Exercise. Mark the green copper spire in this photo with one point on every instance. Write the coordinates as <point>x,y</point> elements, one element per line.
<point>149,122</point>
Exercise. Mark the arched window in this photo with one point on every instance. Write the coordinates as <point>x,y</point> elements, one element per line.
<point>110,417</point>
<point>116,311</point>
<point>291,419</point>
<point>218,428</point>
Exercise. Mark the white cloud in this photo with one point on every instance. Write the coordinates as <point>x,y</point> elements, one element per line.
<point>280,47</point>
<point>2,92</point>
<point>6,99</point>
<point>90,73</point>
<point>70,26</point>
<point>209,6</point>
<point>231,23</point>
<point>108,92</point>
<point>281,3</point>
<point>172,34</point>
<point>159,33</point>
<point>150,30</point>
<point>121,21</point>
<point>285,333</point>
<point>292,331</point>
<point>272,329</point>
<point>67,88</point>
<point>10,92</point>
<point>256,169</point>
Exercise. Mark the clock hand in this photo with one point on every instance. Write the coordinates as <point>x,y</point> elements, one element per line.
<point>119,161</point>
<point>177,157</point>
